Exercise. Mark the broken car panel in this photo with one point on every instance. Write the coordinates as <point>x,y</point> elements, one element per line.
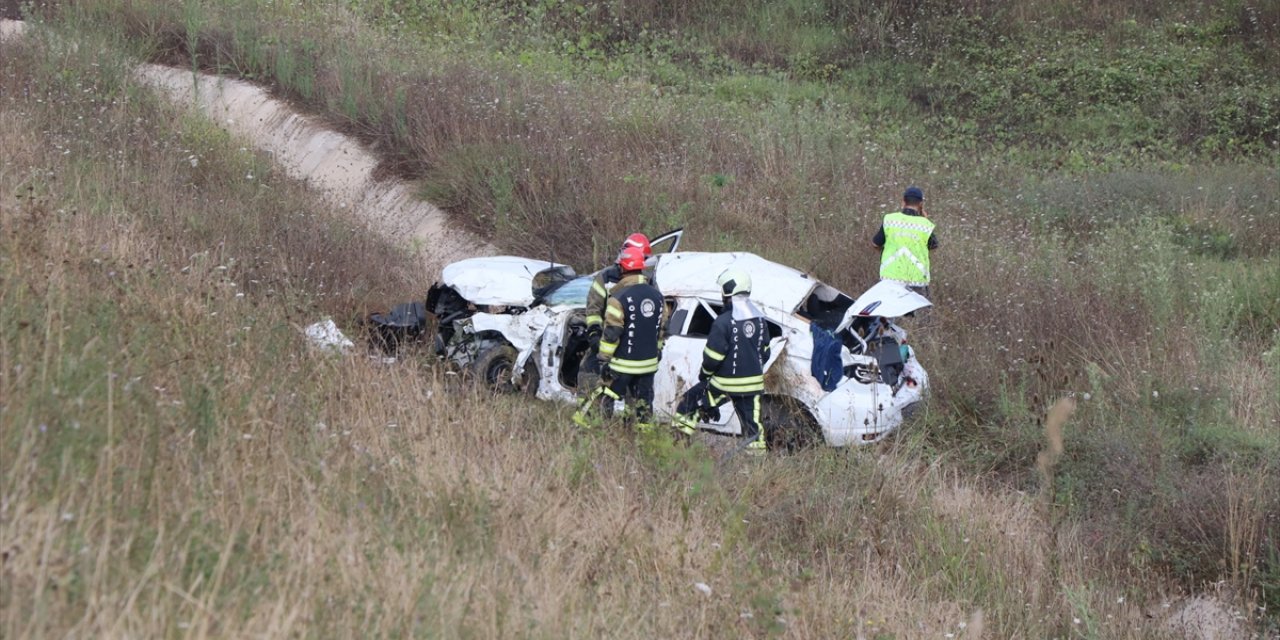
<point>841,370</point>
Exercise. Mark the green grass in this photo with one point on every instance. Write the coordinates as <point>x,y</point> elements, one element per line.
<point>1108,233</point>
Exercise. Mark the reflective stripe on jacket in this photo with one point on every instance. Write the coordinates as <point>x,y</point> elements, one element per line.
<point>604,281</point>
<point>905,256</point>
<point>633,321</point>
<point>737,349</point>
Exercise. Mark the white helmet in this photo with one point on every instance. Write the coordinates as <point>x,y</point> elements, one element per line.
<point>734,281</point>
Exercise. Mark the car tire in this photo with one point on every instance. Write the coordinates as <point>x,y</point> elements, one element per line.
<point>788,426</point>
<point>493,367</point>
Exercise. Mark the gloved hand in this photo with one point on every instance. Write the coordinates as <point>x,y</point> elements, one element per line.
<point>593,335</point>
<point>703,376</point>
<point>708,414</point>
<point>606,372</point>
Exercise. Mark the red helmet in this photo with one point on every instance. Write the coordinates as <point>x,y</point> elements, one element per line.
<point>631,259</point>
<point>640,241</point>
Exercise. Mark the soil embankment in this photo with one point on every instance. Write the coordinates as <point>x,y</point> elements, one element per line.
<point>343,170</point>
<point>337,166</point>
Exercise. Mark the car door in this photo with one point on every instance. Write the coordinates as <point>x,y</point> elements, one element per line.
<point>681,360</point>
<point>668,242</point>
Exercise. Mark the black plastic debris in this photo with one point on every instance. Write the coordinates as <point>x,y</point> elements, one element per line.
<point>889,356</point>
<point>405,323</point>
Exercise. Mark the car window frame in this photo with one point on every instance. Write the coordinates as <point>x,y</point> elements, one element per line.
<point>673,236</point>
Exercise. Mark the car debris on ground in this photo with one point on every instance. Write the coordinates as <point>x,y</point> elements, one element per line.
<point>326,336</point>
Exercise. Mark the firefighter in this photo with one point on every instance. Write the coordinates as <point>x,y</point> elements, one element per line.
<point>630,345</point>
<point>904,240</point>
<point>732,364</point>
<point>604,281</point>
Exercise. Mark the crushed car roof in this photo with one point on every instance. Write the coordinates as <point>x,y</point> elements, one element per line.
<point>694,273</point>
<point>496,280</point>
<point>509,280</point>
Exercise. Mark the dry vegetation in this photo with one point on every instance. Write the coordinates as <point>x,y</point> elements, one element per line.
<point>175,460</point>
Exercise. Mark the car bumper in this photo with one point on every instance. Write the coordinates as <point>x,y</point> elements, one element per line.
<point>856,414</point>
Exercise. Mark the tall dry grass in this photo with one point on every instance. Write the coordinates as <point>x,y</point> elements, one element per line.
<point>551,166</point>
<point>1151,293</point>
<point>175,460</point>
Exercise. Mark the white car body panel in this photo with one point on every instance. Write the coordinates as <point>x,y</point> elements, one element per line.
<point>522,330</point>
<point>853,413</point>
<point>549,387</point>
<point>886,299</point>
<point>681,360</point>
<point>854,410</point>
<point>911,393</point>
<point>496,280</point>
<point>693,274</point>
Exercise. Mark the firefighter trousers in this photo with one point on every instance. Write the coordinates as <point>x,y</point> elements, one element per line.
<point>704,397</point>
<point>635,391</point>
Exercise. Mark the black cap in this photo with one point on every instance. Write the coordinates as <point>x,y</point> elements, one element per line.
<point>913,193</point>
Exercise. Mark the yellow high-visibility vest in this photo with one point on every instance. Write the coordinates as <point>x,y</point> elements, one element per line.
<point>906,249</point>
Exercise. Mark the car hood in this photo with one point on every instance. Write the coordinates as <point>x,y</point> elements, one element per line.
<point>887,299</point>
<point>498,280</point>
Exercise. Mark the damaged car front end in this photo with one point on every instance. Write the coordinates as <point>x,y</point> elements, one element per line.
<point>842,371</point>
<point>490,316</point>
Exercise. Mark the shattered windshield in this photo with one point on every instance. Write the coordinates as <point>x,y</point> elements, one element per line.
<point>572,293</point>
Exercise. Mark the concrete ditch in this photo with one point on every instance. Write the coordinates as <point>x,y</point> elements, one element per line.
<point>336,166</point>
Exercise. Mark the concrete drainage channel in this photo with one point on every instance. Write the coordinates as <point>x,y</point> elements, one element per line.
<point>342,171</point>
<point>336,166</point>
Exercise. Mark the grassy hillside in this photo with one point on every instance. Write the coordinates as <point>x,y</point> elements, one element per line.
<point>1106,189</point>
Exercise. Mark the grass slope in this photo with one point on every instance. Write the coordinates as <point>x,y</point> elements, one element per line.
<point>1144,283</point>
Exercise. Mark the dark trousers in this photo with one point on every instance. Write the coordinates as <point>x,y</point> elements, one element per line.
<point>922,289</point>
<point>636,391</point>
<point>591,360</point>
<point>703,396</point>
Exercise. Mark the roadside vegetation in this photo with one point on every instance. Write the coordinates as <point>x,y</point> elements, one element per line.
<point>1105,180</point>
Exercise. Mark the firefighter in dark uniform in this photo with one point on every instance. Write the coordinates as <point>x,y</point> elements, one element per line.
<point>605,281</point>
<point>630,345</point>
<point>732,364</point>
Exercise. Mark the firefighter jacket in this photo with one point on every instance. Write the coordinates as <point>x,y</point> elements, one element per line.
<point>604,281</point>
<point>633,320</point>
<point>905,257</point>
<point>737,349</point>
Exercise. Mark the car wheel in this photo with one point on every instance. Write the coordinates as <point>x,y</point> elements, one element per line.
<point>788,426</point>
<point>493,368</point>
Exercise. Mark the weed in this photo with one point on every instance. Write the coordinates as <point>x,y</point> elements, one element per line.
<point>1106,231</point>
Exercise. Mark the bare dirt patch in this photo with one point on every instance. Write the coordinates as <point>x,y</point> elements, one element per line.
<point>335,165</point>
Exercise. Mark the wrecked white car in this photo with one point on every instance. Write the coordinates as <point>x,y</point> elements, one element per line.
<point>841,371</point>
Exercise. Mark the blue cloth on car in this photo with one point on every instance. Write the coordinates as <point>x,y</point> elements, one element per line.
<point>826,366</point>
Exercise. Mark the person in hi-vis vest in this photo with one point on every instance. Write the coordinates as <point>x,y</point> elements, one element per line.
<point>905,239</point>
